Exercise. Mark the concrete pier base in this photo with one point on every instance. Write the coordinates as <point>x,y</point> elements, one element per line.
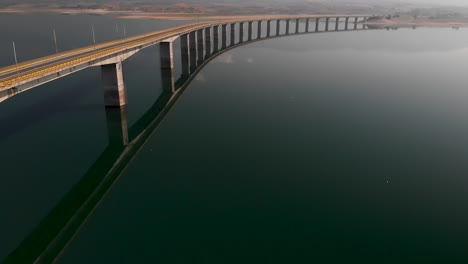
<point>215,39</point>
<point>355,22</point>
<point>307,25</point>
<point>193,51</point>
<point>317,23</point>
<point>297,25</point>
<point>288,22</point>
<point>184,51</point>
<point>337,24</point>
<point>224,36</point>
<point>268,28</point>
<point>241,32</point>
<point>233,34</point>
<point>207,42</point>
<point>168,80</point>
<point>278,23</point>
<point>249,38</point>
<point>200,46</point>
<point>327,23</point>
<point>117,125</point>
<point>114,87</point>
<point>346,23</point>
<point>259,29</point>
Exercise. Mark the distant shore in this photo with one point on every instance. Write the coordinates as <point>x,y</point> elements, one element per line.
<point>395,23</point>
<point>120,14</point>
<point>380,23</point>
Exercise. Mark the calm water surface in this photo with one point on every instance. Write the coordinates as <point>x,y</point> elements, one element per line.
<point>332,148</point>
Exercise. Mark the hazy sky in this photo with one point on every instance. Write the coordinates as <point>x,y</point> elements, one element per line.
<point>432,2</point>
<point>439,2</point>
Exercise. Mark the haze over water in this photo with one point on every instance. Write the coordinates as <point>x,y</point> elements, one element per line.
<point>331,147</point>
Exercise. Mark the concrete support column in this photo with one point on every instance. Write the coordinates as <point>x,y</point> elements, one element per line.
<point>233,33</point>
<point>167,66</point>
<point>249,38</point>
<point>307,25</point>
<point>117,125</point>
<point>114,87</point>
<point>317,23</point>
<point>278,23</point>
<point>184,51</point>
<point>241,32</point>
<point>259,29</point>
<point>297,25</point>
<point>346,23</point>
<point>327,21</point>
<point>355,22</point>
<point>287,26</point>
<point>337,24</point>
<point>224,36</point>
<point>168,80</point>
<point>166,54</point>
<point>216,39</point>
<point>200,48</point>
<point>207,42</point>
<point>268,28</point>
<point>193,51</point>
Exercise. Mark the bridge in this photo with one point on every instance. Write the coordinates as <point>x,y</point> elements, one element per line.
<point>198,40</point>
<point>51,236</point>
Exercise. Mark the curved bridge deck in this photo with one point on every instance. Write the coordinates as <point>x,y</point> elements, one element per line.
<point>197,37</point>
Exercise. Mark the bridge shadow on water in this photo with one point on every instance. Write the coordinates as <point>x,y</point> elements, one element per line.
<point>45,243</point>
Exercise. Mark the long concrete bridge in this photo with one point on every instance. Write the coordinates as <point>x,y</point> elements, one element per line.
<point>198,40</point>
<point>200,43</point>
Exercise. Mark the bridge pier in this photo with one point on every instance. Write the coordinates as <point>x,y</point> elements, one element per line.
<point>114,86</point>
<point>278,23</point>
<point>307,25</point>
<point>287,26</point>
<point>200,42</point>
<point>259,29</point>
<point>337,24</point>
<point>317,23</point>
<point>166,54</point>
<point>207,42</point>
<point>216,38</point>
<point>355,22</point>
<point>268,28</point>
<point>346,23</point>
<point>167,66</point>
<point>168,80</point>
<point>184,51</point>
<point>193,51</point>
<point>327,21</point>
<point>241,32</point>
<point>233,33</point>
<point>117,126</point>
<point>297,25</point>
<point>224,36</point>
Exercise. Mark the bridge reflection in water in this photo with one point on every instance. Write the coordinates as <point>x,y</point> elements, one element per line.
<point>56,230</point>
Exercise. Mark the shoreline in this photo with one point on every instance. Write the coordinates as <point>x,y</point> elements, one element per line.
<point>386,23</point>
<point>121,14</point>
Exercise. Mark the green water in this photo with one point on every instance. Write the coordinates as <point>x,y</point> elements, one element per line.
<point>342,147</point>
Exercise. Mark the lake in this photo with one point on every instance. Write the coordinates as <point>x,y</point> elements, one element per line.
<point>331,147</point>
